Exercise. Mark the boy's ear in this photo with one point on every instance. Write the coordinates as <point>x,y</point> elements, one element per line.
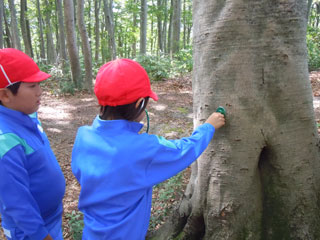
<point>139,102</point>
<point>4,95</point>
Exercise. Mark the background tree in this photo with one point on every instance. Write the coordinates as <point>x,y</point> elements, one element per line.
<point>260,177</point>
<point>143,27</point>
<point>40,33</point>
<point>51,52</point>
<point>72,42</point>
<point>14,26</point>
<point>108,11</point>
<point>1,23</point>
<point>62,43</point>
<point>85,46</point>
<point>25,28</point>
<point>176,24</point>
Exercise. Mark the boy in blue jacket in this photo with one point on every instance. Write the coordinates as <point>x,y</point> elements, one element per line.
<point>117,166</point>
<point>31,182</point>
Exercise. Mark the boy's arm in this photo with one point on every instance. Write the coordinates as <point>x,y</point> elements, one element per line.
<point>172,156</point>
<point>15,196</point>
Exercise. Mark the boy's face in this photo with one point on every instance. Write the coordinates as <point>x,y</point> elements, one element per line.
<point>27,99</point>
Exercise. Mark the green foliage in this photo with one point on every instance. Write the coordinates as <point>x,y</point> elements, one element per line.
<point>183,61</point>
<point>75,222</point>
<point>158,68</point>
<point>313,43</point>
<point>167,192</point>
<point>162,67</point>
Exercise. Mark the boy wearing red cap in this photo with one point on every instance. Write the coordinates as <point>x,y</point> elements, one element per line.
<point>116,166</point>
<point>32,184</point>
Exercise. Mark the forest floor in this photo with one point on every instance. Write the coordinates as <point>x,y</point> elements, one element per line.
<point>171,117</point>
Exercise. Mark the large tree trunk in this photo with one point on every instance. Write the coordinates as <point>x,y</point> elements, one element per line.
<point>259,179</point>
<point>85,46</point>
<point>72,42</point>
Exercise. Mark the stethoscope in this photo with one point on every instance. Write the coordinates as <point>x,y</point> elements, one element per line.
<point>146,111</point>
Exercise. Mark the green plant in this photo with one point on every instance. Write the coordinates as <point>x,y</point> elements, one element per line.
<point>313,44</point>
<point>158,68</point>
<point>76,224</point>
<point>183,61</point>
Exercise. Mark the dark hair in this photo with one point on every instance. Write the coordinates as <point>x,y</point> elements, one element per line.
<point>13,88</point>
<point>128,112</point>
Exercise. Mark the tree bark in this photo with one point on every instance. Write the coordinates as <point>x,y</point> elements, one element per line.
<point>72,43</point>
<point>259,179</point>
<point>110,27</point>
<point>14,26</point>
<point>143,27</point>
<point>85,47</point>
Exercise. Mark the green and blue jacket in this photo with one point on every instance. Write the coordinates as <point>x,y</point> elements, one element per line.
<point>117,168</point>
<point>31,181</point>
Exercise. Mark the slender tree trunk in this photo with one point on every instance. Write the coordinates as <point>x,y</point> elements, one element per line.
<point>108,11</point>
<point>62,43</point>
<point>85,46</point>
<point>309,8</point>
<point>143,27</point>
<point>165,23</point>
<point>14,26</point>
<point>1,24</point>
<point>134,24</point>
<point>72,43</point>
<point>259,179</point>
<point>51,52</point>
<point>160,28</point>
<point>40,22</point>
<point>7,29</point>
<point>169,49</point>
<point>176,24</point>
<point>184,25</point>
<point>97,5</point>
<point>24,28</point>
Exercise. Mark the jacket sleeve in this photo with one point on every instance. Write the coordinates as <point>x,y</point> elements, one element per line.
<point>16,199</point>
<point>172,156</point>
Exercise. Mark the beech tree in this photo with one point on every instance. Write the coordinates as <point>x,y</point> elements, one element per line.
<point>259,179</point>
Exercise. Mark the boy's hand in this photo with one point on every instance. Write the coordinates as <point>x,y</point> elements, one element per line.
<point>216,119</point>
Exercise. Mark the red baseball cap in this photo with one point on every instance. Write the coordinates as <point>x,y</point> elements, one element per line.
<point>121,82</point>
<point>16,66</point>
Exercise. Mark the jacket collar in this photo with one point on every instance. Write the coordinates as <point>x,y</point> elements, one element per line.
<point>117,125</point>
<point>17,116</point>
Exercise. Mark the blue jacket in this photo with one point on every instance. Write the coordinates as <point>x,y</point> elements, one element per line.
<point>31,182</point>
<point>117,167</point>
